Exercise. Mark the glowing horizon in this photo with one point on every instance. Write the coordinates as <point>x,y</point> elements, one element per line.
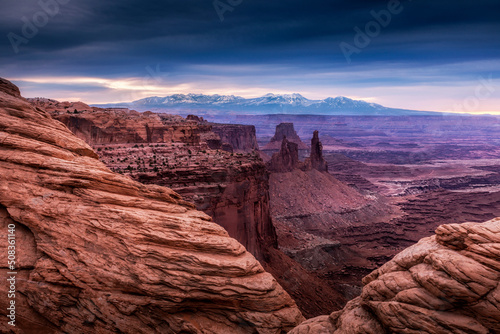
<point>106,90</point>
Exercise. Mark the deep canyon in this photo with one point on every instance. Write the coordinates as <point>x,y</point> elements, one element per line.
<point>126,220</point>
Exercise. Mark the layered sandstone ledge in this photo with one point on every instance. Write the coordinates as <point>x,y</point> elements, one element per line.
<point>447,283</point>
<point>241,137</point>
<point>100,253</point>
<point>97,126</point>
<point>211,165</point>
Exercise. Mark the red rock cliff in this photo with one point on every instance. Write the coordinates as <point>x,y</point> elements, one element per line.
<point>175,152</point>
<point>241,137</point>
<point>100,253</point>
<point>113,126</point>
<point>233,189</point>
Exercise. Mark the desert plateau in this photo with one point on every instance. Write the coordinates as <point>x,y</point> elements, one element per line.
<point>236,167</point>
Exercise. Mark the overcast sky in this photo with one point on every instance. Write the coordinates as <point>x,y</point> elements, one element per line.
<point>432,55</point>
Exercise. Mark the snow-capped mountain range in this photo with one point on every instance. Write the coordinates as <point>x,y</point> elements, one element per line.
<point>267,104</point>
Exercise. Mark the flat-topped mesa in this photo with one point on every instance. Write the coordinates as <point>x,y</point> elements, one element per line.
<point>236,138</point>
<point>242,138</point>
<point>99,126</point>
<point>447,283</point>
<point>100,253</point>
<point>285,130</point>
<point>287,159</point>
<point>316,160</point>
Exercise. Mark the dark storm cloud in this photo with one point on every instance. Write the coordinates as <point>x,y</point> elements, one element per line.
<point>121,38</point>
<point>190,30</point>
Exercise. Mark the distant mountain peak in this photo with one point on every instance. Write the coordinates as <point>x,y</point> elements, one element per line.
<point>270,103</point>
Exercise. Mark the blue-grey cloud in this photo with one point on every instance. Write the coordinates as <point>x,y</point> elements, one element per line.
<point>117,39</point>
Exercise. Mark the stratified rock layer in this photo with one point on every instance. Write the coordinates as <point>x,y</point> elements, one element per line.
<point>186,155</point>
<point>286,160</point>
<point>97,126</point>
<point>241,137</point>
<point>100,253</point>
<point>235,195</point>
<point>284,130</point>
<point>447,283</point>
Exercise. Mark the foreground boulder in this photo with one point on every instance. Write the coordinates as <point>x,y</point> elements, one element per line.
<point>447,283</point>
<point>99,253</point>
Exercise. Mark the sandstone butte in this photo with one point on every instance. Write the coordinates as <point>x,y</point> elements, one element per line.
<point>100,253</point>
<point>185,155</point>
<point>284,130</point>
<point>447,283</point>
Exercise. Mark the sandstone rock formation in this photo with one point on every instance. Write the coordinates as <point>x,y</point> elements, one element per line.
<point>284,130</point>
<point>313,213</point>
<point>99,126</point>
<point>447,283</point>
<point>286,160</point>
<point>8,88</point>
<point>100,253</point>
<point>316,160</point>
<point>234,190</point>
<point>195,118</point>
<point>241,137</point>
<point>183,154</point>
<point>55,107</point>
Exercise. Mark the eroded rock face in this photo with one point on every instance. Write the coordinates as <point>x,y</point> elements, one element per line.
<point>235,194</point>
<point>316,160</point>
<point>9,88</point>
<point>313,213</point>
<point>447,283</point>
<point>100,253</point>
<point>287,159</point>
<point>186,155</point>
<point>233,137</point>
<point>98,126</point>
<point>241,137</point>
<point>284,130</point>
